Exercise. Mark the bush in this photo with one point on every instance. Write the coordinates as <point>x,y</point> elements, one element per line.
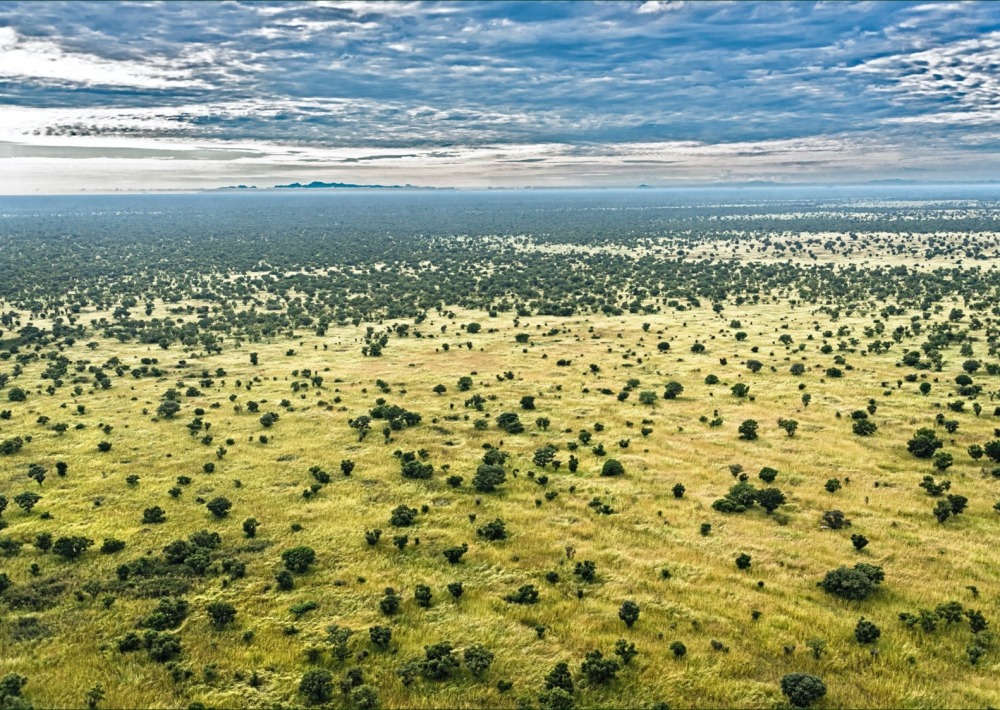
<point>402,516</point>
<point>854,584</point>
<point>439,661</point>
<point>629,612</point>
<point>612,467</point>
<point>317,686</point>
<point>478,659</point>
<point>70,548</point>
<point>802,689</point>
<point>924,443</point>
<point>112,545</point>
<point>678,649</point>
<point>219,506</point>
<point>743,561</point>
<point>598,669</point>
<point>673,390</point>
<point>221,613</point>
<point>866,631</point>
<point>748,429</point>
<point>250,526</point>
<point>454,554</point>
<point>525,594</point>
<point>488,477</point>
<point>380,636</point>
<point>298,559</point>
<point>495,530</point>
<point>153,515</point>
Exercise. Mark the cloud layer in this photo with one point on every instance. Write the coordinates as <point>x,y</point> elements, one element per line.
<point>128,94</point>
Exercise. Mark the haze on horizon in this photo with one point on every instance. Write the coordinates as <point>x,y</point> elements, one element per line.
<point>98,96</point>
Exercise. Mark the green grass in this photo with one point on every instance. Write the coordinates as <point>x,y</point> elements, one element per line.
<point>705,598</point>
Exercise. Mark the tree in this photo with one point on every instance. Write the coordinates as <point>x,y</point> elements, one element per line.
<point>770,499</point>
<point>298,559</point>
<point>647,397</point>
<point>402,516</point>
<point>250,526</point>
<point>859,542</point>
<point>992,450</point>
<point>478,659</point>
<point>454,554</point>
<point>70,548</point>
<point>612,467</point>
<point>439,661</point>
<point>748,429</point>
<point>153,515</point>
<point>802,689</point>
<point>380,636</point>
<point>488,477</point>
<point>866,631</point>
<point>855,584</point>
<point>789,425</point>
<point>743,561</point>
<point>495,530</point>
<point>740,389</point>
<point>673,390</point>
<point>924,443</point>
<point>221,613</point>
<point>864,427</point>
<point>219,506</point>
<point>27,500</point>
<point>527,402</point>
<point>168,408</point>
<point>268,419</point>
<point>317,686</point>
<point>464,383</point>
<point>559,677</point>
<point>598,669</point>
<point>629,612</point>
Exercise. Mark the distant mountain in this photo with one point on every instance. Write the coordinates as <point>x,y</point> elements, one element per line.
<point>316,184</point>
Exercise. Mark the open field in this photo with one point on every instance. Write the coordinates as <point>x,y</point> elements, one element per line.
<point>103,366</point>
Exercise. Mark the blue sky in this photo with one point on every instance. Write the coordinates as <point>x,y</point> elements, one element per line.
<point>147,95</point>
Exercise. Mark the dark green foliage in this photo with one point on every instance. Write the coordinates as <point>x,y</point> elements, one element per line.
<point>770,499</point>
<point>525,594</point>
<point>439,662</point>
<point>864,427</point>
<point>153,515</point>
<point>598,669</point>
<point>250,526</point>
<point>629,612</point>
<point>748,430</point>
<point>992,450</point>
<point>612,467</point>
<point>389,603</point>
<point>866,631</point>
<point>380,636</point>
<point>855,584</point>
<point>802,689</point>
<point>743,561</point>
<point>585,570</point>
<point>678,490</point>
<point>625,650</point>
<point>219,506</point>
<point>27,500</point>
<point>422,595</point>
<point>221,613</point>
<point>316,686</point>
<point>454,554</point>
<point>678,649</point>
<point>924,443</point>
<point>832,485</point>
<point>478,659</point>
<point>673,390</point>
<point>169,614</point>
<point>835,520</point>
<point>560,677</point>
<point>859,541</point>
<point>455,589</point>
<point>402,516</point>
<point>495,530</point>
<point>740,497</point>
<point>298,559</point>
<point>510,423</point>
<point>70,548</point>
<point>488,477</point>
<point>768,474</point>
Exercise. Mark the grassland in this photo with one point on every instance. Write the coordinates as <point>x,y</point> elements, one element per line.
<point>743,629</point>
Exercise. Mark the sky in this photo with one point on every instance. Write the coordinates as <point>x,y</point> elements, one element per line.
<point>104,96</point>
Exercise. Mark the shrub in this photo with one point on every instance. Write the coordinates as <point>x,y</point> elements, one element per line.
<point>629,612</point>
<point>802,689</point>
<point>317,686</point>
<point>219,506</point>
<point>743,561</point>
<point>402,516</point>
<point>559,677</point>
<point>112,545</point>
<point>835,520</point>
<point>454,554</point>
<point>488,477</point>
<point>221,613</point>
<point>389,603</point>
<point>422,595</point>
<point>27,500</point>
<point>298,559</point>
<point>70,548</point>
<point>495,530</point>
<point>250,526</point>
<point>153,515</point>
<point>612,467</point>
<point>855,584</point>
<point>748,430</point>
<point>525,594</point>
<point>924,443</point>
<point>598,669</point>
<point>478,659</point>
<point>673,390</point>
<point>439,661</point>
<point>866,631</point>
<point>380,636</point>
<point>678,649</point>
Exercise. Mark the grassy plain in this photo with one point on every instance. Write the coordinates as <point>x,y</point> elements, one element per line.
<point>70,646</point>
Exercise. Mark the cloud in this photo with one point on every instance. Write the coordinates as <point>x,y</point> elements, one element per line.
<point>654,6</point>
<point>44,60</point>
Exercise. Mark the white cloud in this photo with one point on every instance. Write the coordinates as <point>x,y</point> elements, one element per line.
<point>654,6</point>
<point>39,59</point>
